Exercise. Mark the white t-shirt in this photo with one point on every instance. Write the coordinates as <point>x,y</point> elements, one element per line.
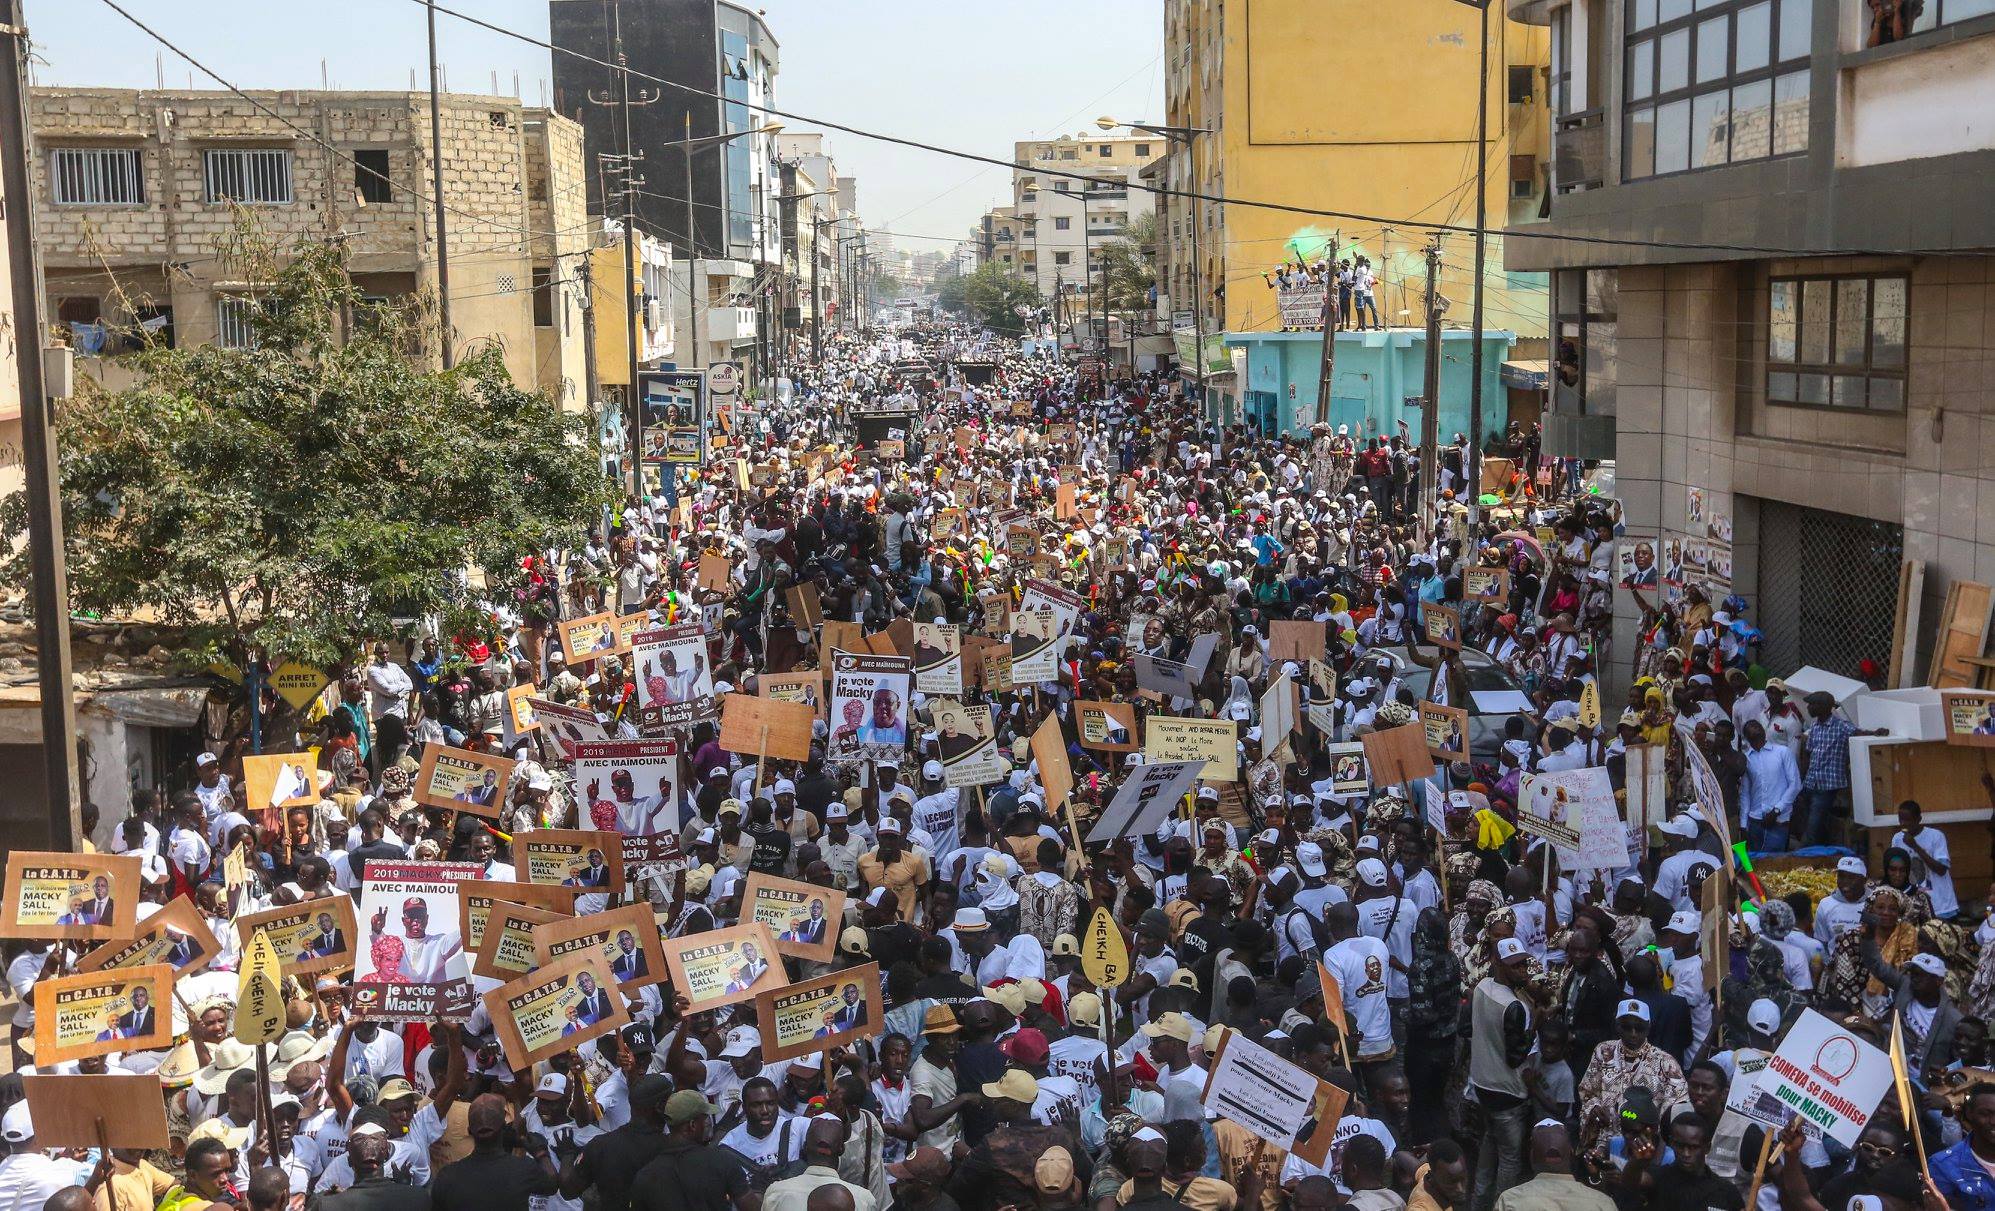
<point>1938,887</point>
<point>937,816</point>
<point>556,1135</point>
<point>1373,917</point>
<point>1073,1056</point>
<point>1361,965</point>
<point>768,1154</point>
<point>1798,954</point>
<point>380,1057</point>
<point>1350,1127</point>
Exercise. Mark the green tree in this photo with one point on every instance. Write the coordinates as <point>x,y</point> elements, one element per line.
<point>1128,265</point>
<point>994,296</point>
<point>951,294</point>
<point>312,492</point>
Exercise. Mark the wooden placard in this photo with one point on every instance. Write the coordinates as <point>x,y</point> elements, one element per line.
<point>1021,540</point>
<point>630,626</point>
<point>588,637</point>
<point>1486,586</point>
<point>1446,729</point>
<point>803,918</point>
<point>279,780</point>
<point>723,966</point>
<point>555,1009</point>
<point>59,895</point>
<point>1962,636</point>
<point>714,571</point>
<point>305,945</point>
<point>1168,738</point>
<point>519,710</point>
<point>505,946</point>
<point>1065,501</point>
<point>177,935</point>
<point>627,938</point>
<point>587,860</point>
<point>1969,717</point>
<point>806,687</point>
<point>1108,727</point>
<point>812,1015</point>
<point>766,727</point>
<point>1289,639</point>
<point>1441,624</point>
<point>842,637</point>
<point>87,1110</point>
<point>100,1012</point>
<point>1049,749</point>
<point>475,900</point>
<point>805,608</point>
<point>463,780</point>
<point>1397,755</point>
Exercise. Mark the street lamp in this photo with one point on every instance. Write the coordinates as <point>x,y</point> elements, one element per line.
<point>1472,469</point>
<point>688,146</point>
<point>1186,135</point>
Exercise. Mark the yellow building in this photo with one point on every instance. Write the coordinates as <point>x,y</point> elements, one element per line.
<point>650,284</point>
<point>1352,107</point>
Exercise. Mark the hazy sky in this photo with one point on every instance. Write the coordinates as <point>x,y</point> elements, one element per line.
<point>968,76</point>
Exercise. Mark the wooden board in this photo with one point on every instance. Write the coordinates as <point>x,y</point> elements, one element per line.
<point>177,935</point>
<point>714,572</point>
<point>1291,640</point>
<point>814,1014</point>
<point>463,780</point>
<point>626,937</point>
<point>1049,748</point>
<point>85,1110</point>
<point>1963,634</point>
<point>767,727</point>
<point>1905,622</point>
<point>506,947</point>
<point>1398,755</point>
<point>54,895</point>
<point>548,1011</point>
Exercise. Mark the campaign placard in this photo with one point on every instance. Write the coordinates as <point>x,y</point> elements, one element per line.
<point>310,937</point>
<point>506,949</point>
<point>1583,801</point>
<point>463,780</point>
<point>1349,774</point>
<point>588,638</point>
<point>1294,640</point>
<point>1273,1099</point>
<point>869,703</point>
<point>1969,717</point>
<point>86,1110</point>
<point>1486,586</point>
<point>584,859</point>
<point>938,658</point>
<point>631,787</point>
<point>1828,1077</point>
<point>1442,625</point>
<point>475,901</point>
<point>99,1012</point>
<point>177,935</point>
<point>565,727</point>
<point>58,895</point>
<point>1398,755</point>
<point>555,1008</point>
<point>1446,729</point>
<point>279,780</point>
<point>806,687</point>
<point>1107,727</point>
<point>814,1014</point>
<point>626,937</point>
<point>723,966</point>
<point>1144,800</point>
<point>1035,650</point>
<point>761,727</point>
<point>413,967</point>
<point>803,918</point>
<point>967,736</point>
<point>674,678</point>
<point>1168,738</point>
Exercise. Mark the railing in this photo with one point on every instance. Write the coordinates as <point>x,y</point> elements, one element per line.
<point>1579,152</point>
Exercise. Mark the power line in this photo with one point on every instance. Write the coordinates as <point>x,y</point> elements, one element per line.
<point>1190,195</point>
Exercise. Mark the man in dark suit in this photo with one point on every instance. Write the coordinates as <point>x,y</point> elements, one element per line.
<point>852,1014</point>
<point>629,961</point>
<point>101,906</point>
<point>810,930</point>
<point>595,874</point>
<point>329,941</point>
<point>595,1003</point>
<point>138,1022</point>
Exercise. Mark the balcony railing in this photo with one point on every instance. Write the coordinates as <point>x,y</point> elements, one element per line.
<point>1579,152</point>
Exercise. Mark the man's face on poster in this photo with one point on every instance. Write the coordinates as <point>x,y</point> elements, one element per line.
<point>884,707</point>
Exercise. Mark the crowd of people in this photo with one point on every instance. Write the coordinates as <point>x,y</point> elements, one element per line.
<point>1508,1029</point>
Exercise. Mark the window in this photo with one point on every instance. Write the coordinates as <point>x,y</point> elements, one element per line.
<point>1938,13</point>
<point>543,298</point>
<point>1142,150</point>
<point>1063,185</point>
<point>235,322</point>
<point>1106,151</point>
<point>1837,342</point>
<point>1062,223</point>
<point>1522,85</point>
<point>1710,83</point>
<point>79,309</point>
<point>256,175</point>
<point>1586,305</point>
<point>1063,258</point>
<point>370,175</point>
<point>97,176</point>
<point>1068,153</point>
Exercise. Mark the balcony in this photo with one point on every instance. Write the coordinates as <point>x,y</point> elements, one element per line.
<point>1579,152</point>
<point>731,325</point>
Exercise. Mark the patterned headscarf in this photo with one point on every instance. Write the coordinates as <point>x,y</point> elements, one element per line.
<point>394,782</point>
<point>1487,892</point>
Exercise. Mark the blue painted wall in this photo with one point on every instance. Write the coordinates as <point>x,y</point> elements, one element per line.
<point>1375,373</point>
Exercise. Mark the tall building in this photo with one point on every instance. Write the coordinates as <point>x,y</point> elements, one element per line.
<point>1346,106</point>
<point>1789,360</point>
<point>833,205</point>
<point>721,62</point>
<point>1061,220</point>
<point>141,194</point>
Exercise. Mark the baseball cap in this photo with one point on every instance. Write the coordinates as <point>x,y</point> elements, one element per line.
<point>784,787</point>
<point>1309,856</point>
<point>932,770</point>
<point>728,807</point>
<point>926,1165</point>
<point>1054,1171</point>
<point>835,812</point>
<point>1931,964</point>
<point>889,824</point>
<point>1173,1025</point>
<point>1372,872</point>
<point>201,761</point>
<point>1508,949</point>
<point>1850,864</point>
<point>1639,1106</point>
<point>1679,826</point>
<point>1066,944</point>
<point>740,1042</point>
<point>854,941</point>
<point>1764,1016</point>
<point>1684,921</point>
<point>552,1085</point>
<point>638,1036</point>
<point>650,1089</point>
<point>687,1105</point>
<point>1084,1009</point>
<point>1028,1047</point>
<point>17,1127</point>
<point>394,1087</point>
<point>1016,1085</point>
<point>1183,977</point>
<point>1632,1008</point>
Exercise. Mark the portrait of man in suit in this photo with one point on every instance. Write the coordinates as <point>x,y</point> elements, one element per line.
<point>751,969</point>
<point>809,930</point>
<point>852,1010</point>
<point>329,941</point>
<point>595,1004</point>
<point>593,873</point>
<point>629,961</point>
<point>137,1022</point>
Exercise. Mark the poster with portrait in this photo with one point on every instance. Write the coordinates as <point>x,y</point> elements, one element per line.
<point>562,727</point>
<point>1147,797</point>
<point>632,787</point>
<point>1693,510</point>
<point>938,658</point>
<point>1442,624</point>
<point>1447,731</point>
<point>411,965</point>
<point>1168,738</point>
<point>589,637</point>
<point>1672,561</point>
<point>476,899</point>
<point>1486,586</point>
<point>520,717</point>
<point>311,937</point>
<point>463,780</point>
<point>1040,660</point>
<point>1349,774</point>
<point>1636,565</point>
<point>627,938</point>
<point>506,950</point>
<point>1969,717</point>
<point>58,895</point>
<point>177,935</point>
<point>811,1015</point>
<point>278,780</point>
<point>723,966</point>
<point>674,678</point>
<point>100,1012</point>
<point>630,626</point>
<point>555,1008</point>
<point>803,918</point>
<point>1107,727</point>
<point>869,707</point>
<point>673,416</point>
<point>967,736</point>
<point>1021,540</point>
<point>589,861</point>
<point>806,687</point>
<point>1274,1100</point>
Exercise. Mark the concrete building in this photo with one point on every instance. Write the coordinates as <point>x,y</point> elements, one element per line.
<point>141,194</point>
<point>1060,219</point>
<point>729,226</point>
<point>1791,363</point>
<point>833,206</point>
<point>1345,106</point>
<point>997,238</point>
<point>1378,380</point>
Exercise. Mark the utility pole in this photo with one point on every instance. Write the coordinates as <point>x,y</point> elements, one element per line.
<point>592,382</point>
<point>627,162</point>
<point>1472,464</point>
<point>816,300</point>
<point>45,551</point>
<point>1430,413</point>
<point>1327,371</point>
<point>436,188</point>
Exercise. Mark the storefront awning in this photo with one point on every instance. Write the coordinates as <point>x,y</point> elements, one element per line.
<point>1527,376</point>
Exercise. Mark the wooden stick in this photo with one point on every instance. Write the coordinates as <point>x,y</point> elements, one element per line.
<point>1759,1169</point>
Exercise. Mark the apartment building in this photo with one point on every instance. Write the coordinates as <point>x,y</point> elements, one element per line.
<point>1061,219</point>
<point>142,194</point>
<point>1789,357</point>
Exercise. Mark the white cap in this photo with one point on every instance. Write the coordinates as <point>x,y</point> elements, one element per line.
<point>1208,792</point>
<point>1368,841</point>
<point>874,897</point>
<point>1273,836</point>
<point>835,812</point>
<point>740,1041</point>
<point>706,837</point>
<point>203,760</point>
<point>1632,1008</point>
<point>1679,826</point>
<point>784,787</point>
<point>931,770</point>
<point>16,1127</point>
<point>368,1129</point>
<point>1372,872</point>
<point>1239,712</point>
<point>539,781</point>
<point>890,824</point>
<point>1850,864</point>
<point>718,771</point>
<point>1931,964</point>
<point>553,1083</point>
<point>1685,921</point>
<point>1764,1016</point>
<point>1309,856</point>
<point>1508,949</point>
<point>813,1060</point>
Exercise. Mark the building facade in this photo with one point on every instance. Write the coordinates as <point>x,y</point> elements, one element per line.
<point>1061,220</point>
<point>143,194</point>
<point>1343,106</point>
<point>1788,359</point>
